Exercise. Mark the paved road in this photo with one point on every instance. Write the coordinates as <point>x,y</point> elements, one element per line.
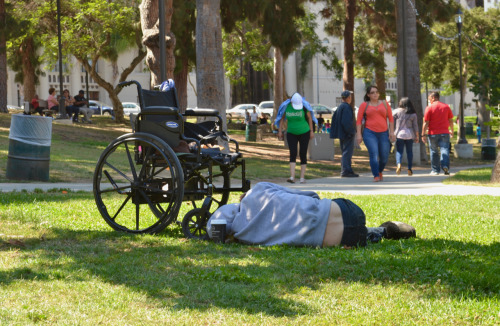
<point>421,183</point>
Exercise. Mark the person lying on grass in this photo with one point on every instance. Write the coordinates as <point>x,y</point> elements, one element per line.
<point>270,214</point>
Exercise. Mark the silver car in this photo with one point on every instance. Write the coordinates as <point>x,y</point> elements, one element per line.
<point>239,110</point>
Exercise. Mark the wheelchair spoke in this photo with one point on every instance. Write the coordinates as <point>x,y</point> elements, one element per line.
<point>145,163</point>
<point>118,171</point>
<point>121,207</point>
<point>113,183</point>
<point>131,162</point>
<point>137,215</point>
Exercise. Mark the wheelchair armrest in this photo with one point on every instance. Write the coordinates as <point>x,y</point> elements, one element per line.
<point>160,110</point>
<point>198,145</point>
<point>201,112</point>
<point>236,143</point>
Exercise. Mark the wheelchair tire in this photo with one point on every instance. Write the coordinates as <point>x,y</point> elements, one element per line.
<point>138,184</point>
<point>194,225</point>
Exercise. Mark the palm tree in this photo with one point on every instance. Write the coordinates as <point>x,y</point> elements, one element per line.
<point>209,57</point>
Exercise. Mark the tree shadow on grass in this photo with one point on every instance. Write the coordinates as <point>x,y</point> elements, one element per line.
<point>186,274</point>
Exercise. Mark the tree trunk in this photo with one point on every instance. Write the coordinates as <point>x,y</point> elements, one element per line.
<point>277,83</point>
<point>495,173</point>
<point>380,72</point>
<point>151,38</point>
<point>181,81</point>
<point>407,61</point>
<point>348,76</point>
<point>209,57</point>
<point>27,50</point>
<point>3,60</point>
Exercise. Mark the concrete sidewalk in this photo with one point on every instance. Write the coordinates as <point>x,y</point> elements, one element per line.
<point>421,183</point>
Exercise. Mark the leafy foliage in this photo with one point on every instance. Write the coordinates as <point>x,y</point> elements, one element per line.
<point>485,59</point>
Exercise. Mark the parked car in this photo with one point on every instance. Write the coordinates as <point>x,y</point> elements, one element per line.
<point>267,107</point>
<point>13,107</point>
<point>321,109</point>
<point>101,108</point>
<point>130,107</point>
<point>239,110</point>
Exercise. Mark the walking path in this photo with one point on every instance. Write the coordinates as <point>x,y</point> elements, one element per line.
<point>421,183</point>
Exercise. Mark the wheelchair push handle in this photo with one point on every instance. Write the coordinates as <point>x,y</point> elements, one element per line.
<point>130,82</point>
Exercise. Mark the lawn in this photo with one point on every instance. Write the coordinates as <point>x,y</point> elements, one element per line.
<point>61,264</point>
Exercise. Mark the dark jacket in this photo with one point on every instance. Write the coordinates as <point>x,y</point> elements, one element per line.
<point>343,126</point>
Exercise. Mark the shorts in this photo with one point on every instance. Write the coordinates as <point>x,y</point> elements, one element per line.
<point>354,223</point>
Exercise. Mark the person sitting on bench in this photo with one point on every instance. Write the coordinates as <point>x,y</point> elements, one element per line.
<point>82,107</point>
<point>52,102</point>
<point>270,214</point>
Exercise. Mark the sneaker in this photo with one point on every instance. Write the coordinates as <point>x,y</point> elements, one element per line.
<point>290,180</point>
<point>398,230</point>
<point>434,173</point>
<point>349,175</point>
<point>446,171</point>
<point>381,176</point>
<point>376,179</point>
<point>410,172</point>
<point>398,169</point>
<point>302,180</point>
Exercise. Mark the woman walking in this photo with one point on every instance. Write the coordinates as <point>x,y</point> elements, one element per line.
<point>299,130</point>
<point>406,131</point>
<point>375,135</point>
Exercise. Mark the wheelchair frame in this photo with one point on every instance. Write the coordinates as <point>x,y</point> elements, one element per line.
<point>140,182</point>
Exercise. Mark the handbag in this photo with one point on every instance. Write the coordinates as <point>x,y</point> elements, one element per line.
<point>363,122</point>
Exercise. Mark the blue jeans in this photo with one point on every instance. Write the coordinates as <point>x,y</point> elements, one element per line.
<point>378,146</point>
<point>347,148</point>
<point>400,146</point>
<point>443,142</point>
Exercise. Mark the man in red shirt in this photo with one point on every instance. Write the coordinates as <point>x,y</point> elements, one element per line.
<point>438,126</point>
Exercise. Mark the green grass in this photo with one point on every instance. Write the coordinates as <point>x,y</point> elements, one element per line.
<point>61,264</point>
<point>472,177</point>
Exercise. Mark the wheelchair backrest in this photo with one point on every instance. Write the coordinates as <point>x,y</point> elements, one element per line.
<point>159,98</point>
<point>160,116</point>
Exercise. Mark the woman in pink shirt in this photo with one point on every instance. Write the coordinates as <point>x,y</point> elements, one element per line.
<point>375,135</point>
<point>52,103</point>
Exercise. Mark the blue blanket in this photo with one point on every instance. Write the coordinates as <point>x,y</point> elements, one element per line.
<point>271,214</point>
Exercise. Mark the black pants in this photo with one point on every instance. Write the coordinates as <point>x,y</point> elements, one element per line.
<point>301,140</point>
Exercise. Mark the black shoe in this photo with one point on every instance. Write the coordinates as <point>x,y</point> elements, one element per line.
<point>349,175</point>
<point>399,230</point>
<point>446,171</point>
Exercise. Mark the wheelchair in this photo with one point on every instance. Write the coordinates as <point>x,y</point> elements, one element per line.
<point>142,178</point>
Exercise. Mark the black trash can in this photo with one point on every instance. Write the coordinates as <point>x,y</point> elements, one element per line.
<point>469,128</point>
<point>488,149</point>
<point>251,133</point>
<point>29,148</point>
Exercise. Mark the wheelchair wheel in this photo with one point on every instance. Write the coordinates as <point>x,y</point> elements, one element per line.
<point>194,225</point>
<point>222,196</point>
<point>138,184</point>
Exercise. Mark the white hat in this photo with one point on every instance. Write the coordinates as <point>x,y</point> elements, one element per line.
<point>297,101</point>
